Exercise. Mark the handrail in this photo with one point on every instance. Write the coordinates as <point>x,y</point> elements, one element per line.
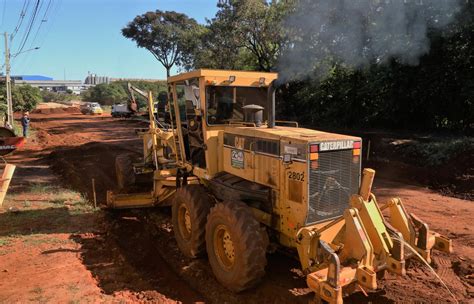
<point>288,122</point>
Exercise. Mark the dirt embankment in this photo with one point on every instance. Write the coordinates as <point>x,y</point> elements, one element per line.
<point>444,164</point>
<point>79,165</point>
<point>57,110</point>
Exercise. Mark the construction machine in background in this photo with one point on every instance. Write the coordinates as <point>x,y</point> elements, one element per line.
<point>241,184</point>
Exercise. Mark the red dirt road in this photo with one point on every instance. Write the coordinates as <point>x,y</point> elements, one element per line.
<point>131,256</point>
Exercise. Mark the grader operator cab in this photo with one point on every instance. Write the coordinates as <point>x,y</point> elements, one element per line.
<point>239,181</point>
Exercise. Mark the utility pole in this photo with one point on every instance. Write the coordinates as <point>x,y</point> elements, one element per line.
<point>9,114</point>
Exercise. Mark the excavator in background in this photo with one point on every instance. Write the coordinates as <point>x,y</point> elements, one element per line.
<point>241,184</point>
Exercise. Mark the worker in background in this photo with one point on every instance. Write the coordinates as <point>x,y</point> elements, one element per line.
<point>25,123</point>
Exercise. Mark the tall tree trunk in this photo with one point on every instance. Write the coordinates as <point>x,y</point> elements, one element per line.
<point>168,72</point>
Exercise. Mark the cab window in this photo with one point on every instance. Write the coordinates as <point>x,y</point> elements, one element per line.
<point>224,104</point>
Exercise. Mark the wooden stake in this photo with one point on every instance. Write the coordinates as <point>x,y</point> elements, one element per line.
<point>368,150</point>
<point>5,181</point>
<point>94,194</point>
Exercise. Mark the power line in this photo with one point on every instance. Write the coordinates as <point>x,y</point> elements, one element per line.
<point>54,9</point>
<point>43,20</point>
<point>29,27</point>
<point>26,4</point>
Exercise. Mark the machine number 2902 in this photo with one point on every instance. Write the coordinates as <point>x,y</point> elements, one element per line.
<point>298,176</point>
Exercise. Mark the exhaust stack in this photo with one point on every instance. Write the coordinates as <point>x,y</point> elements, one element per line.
<point>271,104</point>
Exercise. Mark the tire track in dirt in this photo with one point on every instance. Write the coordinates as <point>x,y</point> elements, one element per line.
<point>444,269</point>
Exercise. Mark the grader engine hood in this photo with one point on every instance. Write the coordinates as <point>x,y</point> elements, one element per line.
<point>317,171</point>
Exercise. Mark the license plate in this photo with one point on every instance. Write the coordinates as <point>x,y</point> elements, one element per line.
<point>336,145</point>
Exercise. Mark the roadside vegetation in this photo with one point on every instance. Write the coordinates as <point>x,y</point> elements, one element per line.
<point>25,98</point>
<point>117,92</point>
<point>64,98</point>
<point>27,212</point>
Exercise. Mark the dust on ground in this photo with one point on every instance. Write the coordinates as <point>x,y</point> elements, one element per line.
<point>112,256</point>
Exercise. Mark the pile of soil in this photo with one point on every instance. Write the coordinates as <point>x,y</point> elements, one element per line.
<point>95,160</point>
<point>57,110</point>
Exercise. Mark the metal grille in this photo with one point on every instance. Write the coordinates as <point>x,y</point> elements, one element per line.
<point>331,184</point>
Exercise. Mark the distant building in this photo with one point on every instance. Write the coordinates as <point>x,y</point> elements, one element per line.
<point>93,79</point>
<point>48,84</point>
<point>31,77</point>
<point>137,79</point>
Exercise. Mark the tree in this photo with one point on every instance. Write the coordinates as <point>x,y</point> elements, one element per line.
<point>245,34</point>
<point>107,94</point>
<point>31,97</point>
<point>24,97</point>
<point>116,92</point>
<point>167,35</point>
<point>258,24</point>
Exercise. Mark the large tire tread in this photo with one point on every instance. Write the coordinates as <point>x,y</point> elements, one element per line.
<point>198,203</point>
<point>250,243</point>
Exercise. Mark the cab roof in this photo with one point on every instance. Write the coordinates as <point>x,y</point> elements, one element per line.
<point>224,74</point>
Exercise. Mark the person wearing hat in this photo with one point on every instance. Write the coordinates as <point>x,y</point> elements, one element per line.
<point>25,123</point>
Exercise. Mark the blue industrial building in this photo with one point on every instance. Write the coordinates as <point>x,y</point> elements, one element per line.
<point>32,77</point>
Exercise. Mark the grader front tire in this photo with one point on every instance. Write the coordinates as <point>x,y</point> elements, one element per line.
<point>124,171</point>
<point>236,246</point>
<point>189,213</point>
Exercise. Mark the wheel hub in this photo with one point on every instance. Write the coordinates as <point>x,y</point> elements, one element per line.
<point>184,218</point>
<point>224,247</point>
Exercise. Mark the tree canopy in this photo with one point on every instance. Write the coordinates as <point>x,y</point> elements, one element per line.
<point>167,35</point>
<point>24,97</point>
<point>116,92</point>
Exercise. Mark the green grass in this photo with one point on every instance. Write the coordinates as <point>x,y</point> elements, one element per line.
<point>40,188</point>
<point>71,197</point>
<point>4,241</point>
<point>39,239</point>
<point>437,151</point>
<point>54,209</point>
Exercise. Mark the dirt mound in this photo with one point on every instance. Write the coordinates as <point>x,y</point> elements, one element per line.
<point>57,110</point>
<point>454,178</point>
<point>72,110</point>
<point>79,165</point>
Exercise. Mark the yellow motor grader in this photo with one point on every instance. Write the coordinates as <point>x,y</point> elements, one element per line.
<point>240,182</point>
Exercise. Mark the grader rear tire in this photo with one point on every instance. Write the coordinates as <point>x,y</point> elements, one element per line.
<point>189,213</point>
<point>124,171</point>
<point>236,246</point>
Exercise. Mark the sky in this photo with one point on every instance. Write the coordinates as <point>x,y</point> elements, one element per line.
<point>81,36</point>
